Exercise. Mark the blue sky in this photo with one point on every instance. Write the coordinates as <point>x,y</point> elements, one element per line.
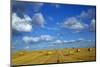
<point>50,25</point>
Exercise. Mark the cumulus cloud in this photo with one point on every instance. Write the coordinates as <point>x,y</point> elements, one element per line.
<point>26,24</point>
<point>92,25</point>
<point>74,24</point>
<point>89,14</point>
<point>27,18</point>
<point>38,19</point>
<point>21,24</point>
<point>40,38</point>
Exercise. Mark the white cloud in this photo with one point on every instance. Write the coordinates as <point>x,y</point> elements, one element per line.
<point>92,25</point>
<point>28,39</point>
<point>81,39</point>
<point>52,28</point>
<point>46,37</point>
<point>68,41</point>
<point>89,14</point>
<point>27,18</point>
<point>89,40</point>
<point>38,19</point>
<point>74,23</point>
<point>21,24</point>
<point>72,40</point>
<point>25,24</point>
<point>64,41</point>
<point>40,38</point>
<point>58,42</point>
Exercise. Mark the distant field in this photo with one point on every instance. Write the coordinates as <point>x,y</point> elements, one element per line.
<point>53,56</point>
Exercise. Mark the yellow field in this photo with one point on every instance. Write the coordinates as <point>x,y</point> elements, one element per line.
<point>53,56</point>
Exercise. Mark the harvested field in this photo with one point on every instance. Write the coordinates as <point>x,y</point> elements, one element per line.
<point>53,56</point>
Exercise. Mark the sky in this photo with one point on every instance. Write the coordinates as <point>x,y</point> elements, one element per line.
<point>37,26</point>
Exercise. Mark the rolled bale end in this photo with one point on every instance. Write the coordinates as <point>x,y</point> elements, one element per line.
<point>90,49</point>
<point>21,53</point>
<point>78,50</point>
<point>49,53</point>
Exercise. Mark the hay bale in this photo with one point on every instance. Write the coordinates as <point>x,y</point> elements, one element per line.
<point>48,53</point>
<point>90,49</point>
<point>21,53</point>
<point>66,53</point>
<point>78,50</point>
<point>71,52</point>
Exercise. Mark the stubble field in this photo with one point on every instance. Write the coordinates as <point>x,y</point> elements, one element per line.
<point>53,56</point>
